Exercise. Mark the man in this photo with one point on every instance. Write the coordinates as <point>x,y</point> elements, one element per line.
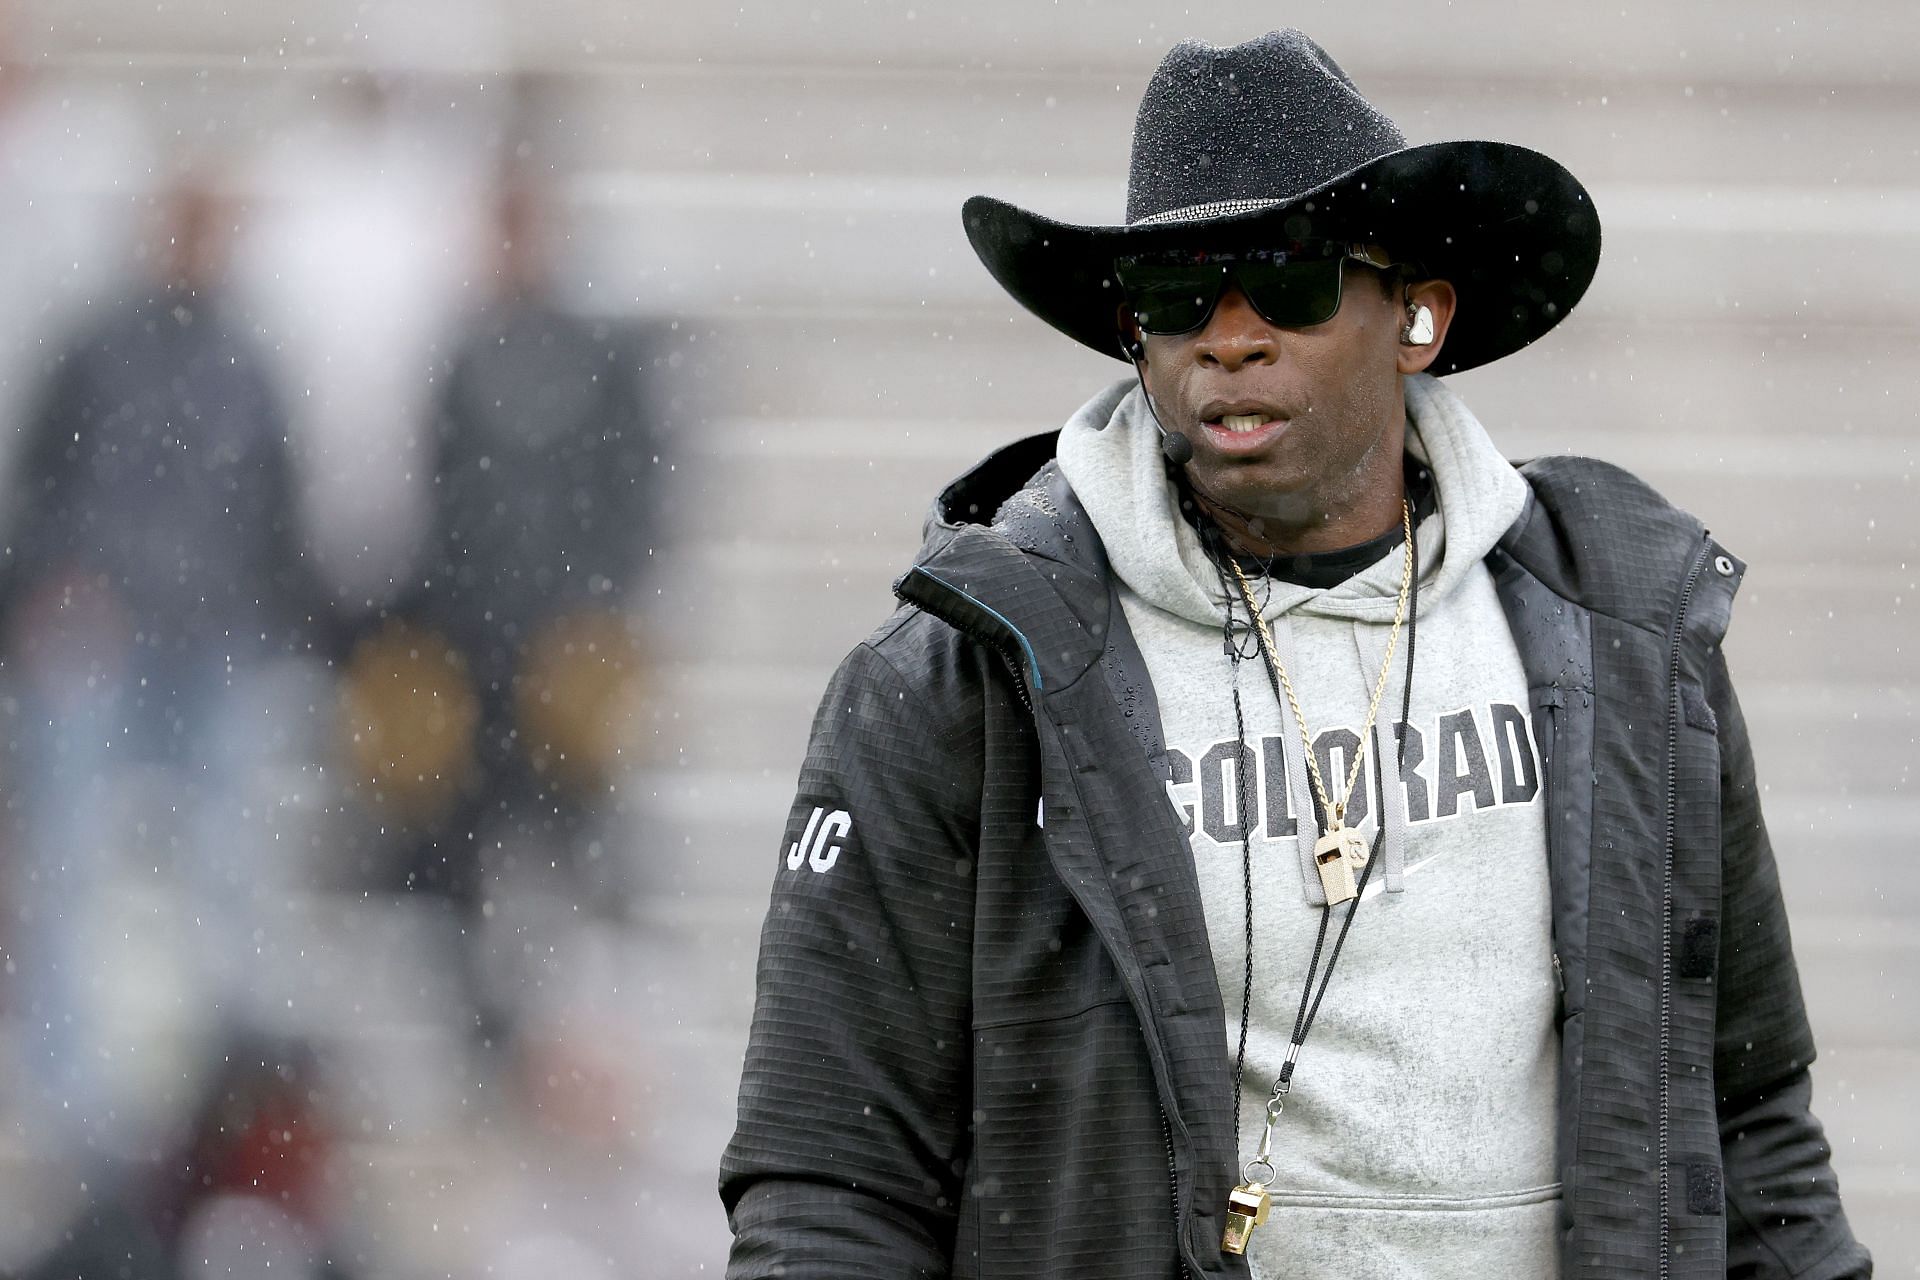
<point>1121,932</point>
<point>153,572</point>
<point>542,505</point>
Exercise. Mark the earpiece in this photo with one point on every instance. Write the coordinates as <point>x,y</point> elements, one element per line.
<point>1177,448</point>
<point>1418,331</point>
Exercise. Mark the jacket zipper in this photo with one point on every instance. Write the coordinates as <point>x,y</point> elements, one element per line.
<point>1666,898</point>
<point>1550,704</point>
<point>1008,650</point>
<point>1019,675</point>
<point>1173,1194</point>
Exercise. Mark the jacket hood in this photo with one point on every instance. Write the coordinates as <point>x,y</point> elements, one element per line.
<point>1110,454</point>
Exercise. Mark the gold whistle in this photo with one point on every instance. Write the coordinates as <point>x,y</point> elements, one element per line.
<point>1246,1209</point>
<point>1336,870</point>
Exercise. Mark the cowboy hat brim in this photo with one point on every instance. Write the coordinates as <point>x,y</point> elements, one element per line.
<point>1512,230</point>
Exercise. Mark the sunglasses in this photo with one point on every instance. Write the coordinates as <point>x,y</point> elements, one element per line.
<point>1175,291</point>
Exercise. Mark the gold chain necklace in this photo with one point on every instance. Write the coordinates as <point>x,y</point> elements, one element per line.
<point>1336,854</point>
<point>1341,850</point>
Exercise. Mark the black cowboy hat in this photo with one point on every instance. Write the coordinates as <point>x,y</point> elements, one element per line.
<point>1266,140</point>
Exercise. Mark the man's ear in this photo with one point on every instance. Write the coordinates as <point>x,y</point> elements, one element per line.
<point>1438,297</point>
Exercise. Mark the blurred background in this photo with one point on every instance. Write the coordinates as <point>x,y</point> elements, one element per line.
<point>447,444</point>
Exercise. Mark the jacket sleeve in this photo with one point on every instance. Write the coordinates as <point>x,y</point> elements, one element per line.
<point>851,1144</point>
<point>1784,1216</point>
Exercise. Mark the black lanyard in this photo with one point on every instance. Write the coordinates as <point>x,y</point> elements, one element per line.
<point>1310,995</point>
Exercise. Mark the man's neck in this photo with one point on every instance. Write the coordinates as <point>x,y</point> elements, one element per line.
<point>1374,513</point>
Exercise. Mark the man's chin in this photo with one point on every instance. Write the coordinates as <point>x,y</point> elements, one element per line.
<point>1248,487</point>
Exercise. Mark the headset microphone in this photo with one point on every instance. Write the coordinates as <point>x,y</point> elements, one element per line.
<point>1176,446</point>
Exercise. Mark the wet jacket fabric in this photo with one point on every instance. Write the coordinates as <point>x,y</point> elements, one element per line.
<point>989,1040</point>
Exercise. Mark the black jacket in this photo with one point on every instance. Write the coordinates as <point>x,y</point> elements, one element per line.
<point>989,1040</point>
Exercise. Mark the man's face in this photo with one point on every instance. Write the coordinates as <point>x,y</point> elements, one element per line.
<point>1287,424</point>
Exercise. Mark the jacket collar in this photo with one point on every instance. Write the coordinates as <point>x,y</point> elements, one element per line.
<point>1579,517</point>
<point>1010,555</point>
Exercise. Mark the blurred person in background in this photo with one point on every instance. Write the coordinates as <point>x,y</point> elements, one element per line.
<point>519,648</point>
<point>153,563</point>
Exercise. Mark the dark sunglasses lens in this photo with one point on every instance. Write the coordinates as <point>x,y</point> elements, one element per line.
<point>1293,294</point>
<point>1170,298</point>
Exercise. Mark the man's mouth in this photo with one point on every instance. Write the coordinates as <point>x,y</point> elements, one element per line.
<point>1243,434</point>
<point>1240,417</point>
<point>1242,429</point>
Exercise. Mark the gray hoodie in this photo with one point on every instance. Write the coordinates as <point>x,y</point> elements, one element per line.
<point>1418,1138</point>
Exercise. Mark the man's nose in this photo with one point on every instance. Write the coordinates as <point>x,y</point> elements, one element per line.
<point>1236,334</point>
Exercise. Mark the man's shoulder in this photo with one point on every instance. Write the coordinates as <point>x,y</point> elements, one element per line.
<point>1596,489</point>
<point>920,657</point>
<point>1604,537</point>
<point>916,646</point>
